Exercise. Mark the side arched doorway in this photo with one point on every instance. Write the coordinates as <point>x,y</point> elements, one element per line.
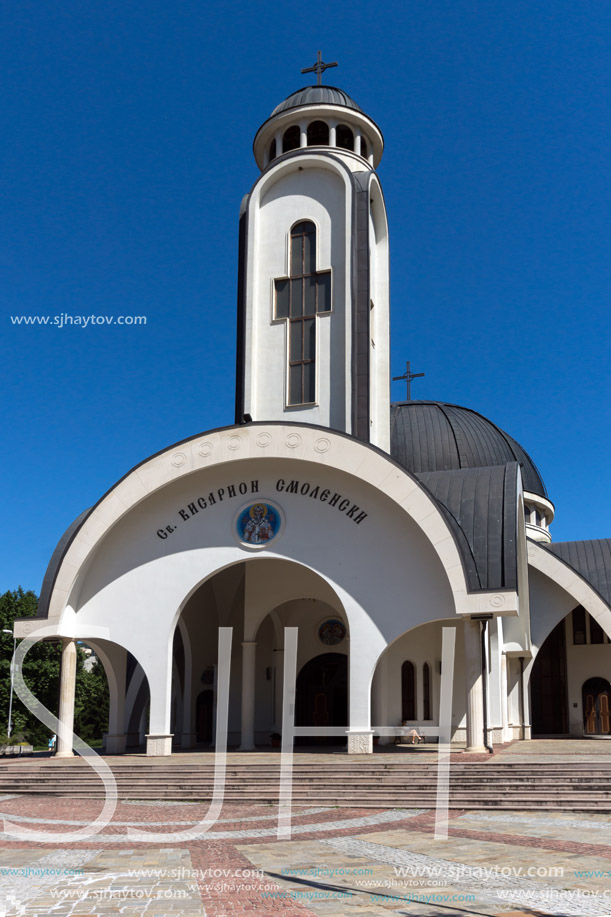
<point>596,699</point>
<point>322,696</point>
<point>548,686</point>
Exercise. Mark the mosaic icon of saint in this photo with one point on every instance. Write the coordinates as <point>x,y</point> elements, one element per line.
<point>258,530</point>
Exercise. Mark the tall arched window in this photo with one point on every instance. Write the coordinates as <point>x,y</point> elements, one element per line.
<point>408,692</point>
<point>364,147</point>
<point>344,137</point>
<point>300,297</point>
<point>318,134</point>
<point>291,139</point>
<point>426,691</point>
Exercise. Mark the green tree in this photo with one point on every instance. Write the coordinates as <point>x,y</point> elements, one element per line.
<point>40,670</point>
<point>91,702</point>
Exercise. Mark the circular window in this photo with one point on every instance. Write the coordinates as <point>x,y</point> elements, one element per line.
<point>331,632</point>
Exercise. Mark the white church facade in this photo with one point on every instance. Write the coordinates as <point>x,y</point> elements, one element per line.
<point>368,527</point>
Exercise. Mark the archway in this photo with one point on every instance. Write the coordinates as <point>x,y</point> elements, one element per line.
<point>322,696</point>
<point>548,686</point>
<point>596,698</point>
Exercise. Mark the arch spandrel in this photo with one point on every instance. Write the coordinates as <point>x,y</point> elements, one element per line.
<point>556,591</point>
<point>403,524</point>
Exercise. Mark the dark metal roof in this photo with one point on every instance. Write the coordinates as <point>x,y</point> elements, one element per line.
<point>435,436</point>
<point>591,559</point>
<point>317,95</point>
<point>482,508</point>
<point>55,562</point>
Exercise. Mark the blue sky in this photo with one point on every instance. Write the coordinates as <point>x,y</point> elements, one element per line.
<point>127,132</point>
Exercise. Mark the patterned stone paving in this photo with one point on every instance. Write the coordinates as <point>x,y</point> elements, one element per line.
<point>348,862</point>
<point>338,862</point>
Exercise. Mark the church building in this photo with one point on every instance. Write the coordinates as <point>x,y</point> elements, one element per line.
<point>368,526</point>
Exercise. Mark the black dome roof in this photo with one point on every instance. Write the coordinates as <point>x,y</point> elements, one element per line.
<point>435,436</point>
<point>317,95</point>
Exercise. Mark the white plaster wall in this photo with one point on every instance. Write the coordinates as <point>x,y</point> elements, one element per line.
<point>420,645</point>
<point>549,604</point>
<point>385,572</point>
<point>380,319</point>
<point>582,662</point>
<point>318,190</point>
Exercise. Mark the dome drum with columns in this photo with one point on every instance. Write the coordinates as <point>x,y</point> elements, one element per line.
<point>319,116</point>
<point>373,530</point>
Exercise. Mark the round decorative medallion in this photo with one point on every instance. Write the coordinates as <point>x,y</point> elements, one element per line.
<point>178,459</point>
<point>264,439</point>
<point>331,632</point>
<point>258,523</point>
<point>205,449</point>
<point>497,601</point>
<point>235,442</point>
<point>322,444</point>
<point>293,440</point>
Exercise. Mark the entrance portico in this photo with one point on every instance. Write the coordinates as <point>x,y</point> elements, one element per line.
<point>256,528</point>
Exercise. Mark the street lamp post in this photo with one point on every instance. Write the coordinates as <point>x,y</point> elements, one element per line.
<point>10,703</point>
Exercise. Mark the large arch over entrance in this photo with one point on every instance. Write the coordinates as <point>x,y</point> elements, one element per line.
<point>131,566</point>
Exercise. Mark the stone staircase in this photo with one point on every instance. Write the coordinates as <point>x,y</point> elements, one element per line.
<point>378,783</point>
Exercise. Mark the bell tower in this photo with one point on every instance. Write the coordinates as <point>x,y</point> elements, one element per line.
<point>313,287</point>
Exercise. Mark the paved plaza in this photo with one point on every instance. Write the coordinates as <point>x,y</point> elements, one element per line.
<point>339,861</point>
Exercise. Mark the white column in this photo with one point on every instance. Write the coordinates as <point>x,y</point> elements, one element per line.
<point>474,687</point>
<point>303,135</point>
<point>332,133</point>
<point>495,686</point>
<point>363,657</point>
<point>505,700</point>
<point>114,743</point>
<point>159,737</point>
<point>357,142</point>
<point>278,682</point>
<point>249,652</point>
<point>525,681</point>
<point>67,686</point>
<point>380,698</point>
<point>278,143</point>
<point>187,739</point>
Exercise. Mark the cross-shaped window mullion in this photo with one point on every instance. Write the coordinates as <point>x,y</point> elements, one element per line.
<point>300,298</point>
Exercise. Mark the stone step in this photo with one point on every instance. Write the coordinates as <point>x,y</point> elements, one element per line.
<point>536,793</point>
<point>311,782</point>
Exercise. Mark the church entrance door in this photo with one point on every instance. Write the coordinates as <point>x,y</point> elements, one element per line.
<point>596,697</point>
<point>204,716</point>
<point>548,687</point>
<point>322,697</point>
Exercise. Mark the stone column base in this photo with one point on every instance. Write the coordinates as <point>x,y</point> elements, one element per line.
<point>114,743</point>
<point>360,743</point>
<point>476,750</point>
<point>64,754</point>
<point>159,745</point>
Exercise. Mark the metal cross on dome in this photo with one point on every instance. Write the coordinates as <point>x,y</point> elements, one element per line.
<point>319,67</point>
<point>408,376</point>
